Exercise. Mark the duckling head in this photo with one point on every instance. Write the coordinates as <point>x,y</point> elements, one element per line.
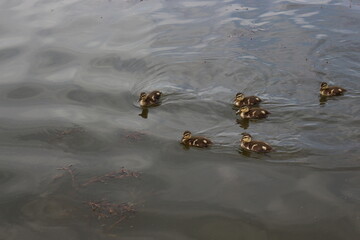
<point>246,137</point>
<point>323,86</point>
<point>142,96</point>
<point>243,109</point>
<point>239,97</point>
<point>186,135</point>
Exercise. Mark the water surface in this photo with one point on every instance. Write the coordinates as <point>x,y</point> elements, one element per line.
<point>72,71</point>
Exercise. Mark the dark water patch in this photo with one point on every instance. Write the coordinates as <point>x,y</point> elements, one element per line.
<point>24,92</point>
<point>119,64</point>
<point>69,139</point>
<point>53,210</point>
<point>196,222</point>
<point>14,211</point>
<point>87,97</point>
<point>131,65</point>
<point>73,94</point>
<point>8,54</point>
<point>15,184</point>
<point>52,59</point>
<point>45,32</point>
<point>6,176</point>
<point>74,138</point>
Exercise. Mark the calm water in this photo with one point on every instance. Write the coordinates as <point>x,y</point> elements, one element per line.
<point>72,71</point>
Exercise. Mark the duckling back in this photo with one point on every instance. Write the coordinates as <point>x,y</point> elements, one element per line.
<point>248,101</point>
<point>332,91</point>
<point>255,113</point>
<point>256,146</point>
<point>199,142</point>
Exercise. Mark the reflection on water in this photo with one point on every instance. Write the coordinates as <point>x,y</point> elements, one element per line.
<point>144,113</point>
<point>71,75</point>
<point>323,100</point>
<point>244,123</point>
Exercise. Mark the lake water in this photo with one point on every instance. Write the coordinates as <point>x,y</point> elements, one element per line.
<point>71,74</point>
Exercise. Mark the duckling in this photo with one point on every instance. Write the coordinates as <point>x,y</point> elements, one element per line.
<point>189,140</point>
<point>327,91</point>
<point>149,100</point>
<point>255,146</point>
<point>240,100</point>
<point>252,113</point>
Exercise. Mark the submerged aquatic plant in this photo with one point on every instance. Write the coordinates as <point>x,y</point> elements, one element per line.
<point>116,212</point>
<point>119,174</point>
<point>122,173</point>
<point>107,210</point>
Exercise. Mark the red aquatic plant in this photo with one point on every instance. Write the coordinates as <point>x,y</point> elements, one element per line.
<point>107,210</point>
<point>119,174</point>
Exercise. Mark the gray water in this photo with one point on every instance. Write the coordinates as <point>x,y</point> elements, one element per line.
<point>72,71</point>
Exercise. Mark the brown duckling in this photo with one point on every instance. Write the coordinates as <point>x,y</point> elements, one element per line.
<point>240,100</point>
<point>149,100</point>
<point>252,113</point>
<point>255,146</point>
<point>189,140</point>
<point>327,91</point>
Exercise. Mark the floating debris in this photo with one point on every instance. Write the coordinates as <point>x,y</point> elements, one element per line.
<point>107,210</point>
<point>122,173</point>
<point>134,136</point>
<point>119,174</point>
<point>71,171</point>
<point>115,212</point>
<point>59,134</point>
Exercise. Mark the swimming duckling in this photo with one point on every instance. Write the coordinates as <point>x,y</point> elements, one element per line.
<point>149,100</point>
<point>255,146</point>
<point>240,100</point>
<point>200,142</point>
<point>327,91</point>
<point>252,113</point>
